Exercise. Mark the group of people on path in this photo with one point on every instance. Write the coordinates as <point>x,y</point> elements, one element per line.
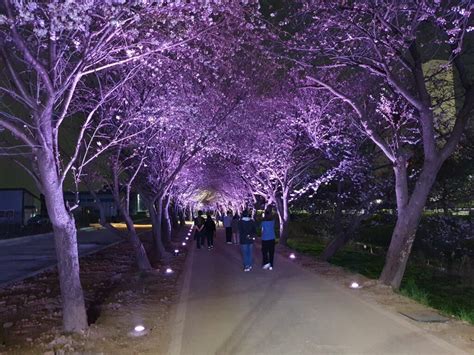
<point>240,230</point>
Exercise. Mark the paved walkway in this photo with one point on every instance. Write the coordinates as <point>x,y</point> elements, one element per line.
<point>24,257</point>
<point>289,310</point>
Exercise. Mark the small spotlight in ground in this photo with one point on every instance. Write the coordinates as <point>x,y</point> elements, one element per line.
<point>138,331</point>
<point>189,233</point>
<point>176,251</point>
<point>183,244</point>
<point>292,256</point>
<point>355,285</point>
<point>169,270</point>
<point>187,238</point>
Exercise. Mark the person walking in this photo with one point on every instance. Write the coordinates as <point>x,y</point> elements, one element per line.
<point>235,228</point>
<point>199,230</point>
<point>227,221</point>
<point>247,233</point>
<point>268,239</point>
<point>210,230</point>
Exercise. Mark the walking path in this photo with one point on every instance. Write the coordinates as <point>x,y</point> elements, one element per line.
<point>26,256</point>
<point>289,310</point>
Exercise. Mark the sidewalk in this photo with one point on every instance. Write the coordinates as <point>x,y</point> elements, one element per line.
<point>26,256</point>
<point>289,310</point>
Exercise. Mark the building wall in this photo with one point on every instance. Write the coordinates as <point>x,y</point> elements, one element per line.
<point>11,206</point>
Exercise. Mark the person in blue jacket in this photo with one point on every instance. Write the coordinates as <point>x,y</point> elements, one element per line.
<point>268,239</point>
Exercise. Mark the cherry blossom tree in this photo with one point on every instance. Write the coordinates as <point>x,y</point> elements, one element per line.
<point>413,59</point>
<point>50,50</point>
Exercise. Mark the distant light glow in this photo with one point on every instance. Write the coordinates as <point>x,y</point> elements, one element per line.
<point>169,271</point>
<point>292,256</point>
<point>355,285</point>
<point>139,328</point>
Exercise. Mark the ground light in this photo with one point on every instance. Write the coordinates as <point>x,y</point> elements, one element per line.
<point>187,238</point>
<point>176,251</point>
<point>355,285</point>
<point>183,244</point>
<point>169,270</point>
<point>292,256</point>
<point>138,331</point>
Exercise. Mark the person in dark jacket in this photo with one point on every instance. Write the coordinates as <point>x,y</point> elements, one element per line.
<point>210,231</point>
<point>247,233</point>
<point>199,230</point>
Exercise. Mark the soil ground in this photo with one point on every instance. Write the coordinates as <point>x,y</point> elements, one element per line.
<point>118,298</point>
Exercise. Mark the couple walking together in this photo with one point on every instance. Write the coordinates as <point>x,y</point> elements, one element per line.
<point>247,234</point>
<point>204,229</point>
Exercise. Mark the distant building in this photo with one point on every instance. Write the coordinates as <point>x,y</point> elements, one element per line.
<point>17,206</point>
<point>88,210</point>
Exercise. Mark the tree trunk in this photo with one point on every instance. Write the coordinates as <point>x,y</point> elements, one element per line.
<point>155,217</point>
<point>182,219</point>
<point>409,215</point>
<point>284,217</point>
<point>342,238</point>
<point>165,221</point>
<point>65,239</point>
<point>174,215</point>
<point>141,258</point>
<point>102,218</point>
<point>143,262</point>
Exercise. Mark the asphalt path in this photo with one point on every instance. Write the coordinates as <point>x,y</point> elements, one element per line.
<point>26,256</point>
<point>290,310</point>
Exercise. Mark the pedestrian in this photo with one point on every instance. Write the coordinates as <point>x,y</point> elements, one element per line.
<point>268,239</point>
<point>227,221</point>
<point>210,230</point>
<point>199,230</point>
<point>235,228</point>
<point>247,233</point>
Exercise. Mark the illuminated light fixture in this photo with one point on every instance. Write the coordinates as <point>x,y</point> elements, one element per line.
<point>189,233</point>
<point>169,270</point>
<point>183,244</point>
<point>355,285</point>
<point>138,331</point>
<point>176,252</point>
<point>139,328</point>
<point>292,256</point>
<point>187,238</point>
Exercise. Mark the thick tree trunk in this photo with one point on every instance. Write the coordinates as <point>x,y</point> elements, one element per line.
<point>409,215</point>
<point>65,239</point>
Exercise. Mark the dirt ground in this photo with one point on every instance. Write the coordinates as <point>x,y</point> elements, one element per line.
<point>118,298</point>
<point>454,331</point>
